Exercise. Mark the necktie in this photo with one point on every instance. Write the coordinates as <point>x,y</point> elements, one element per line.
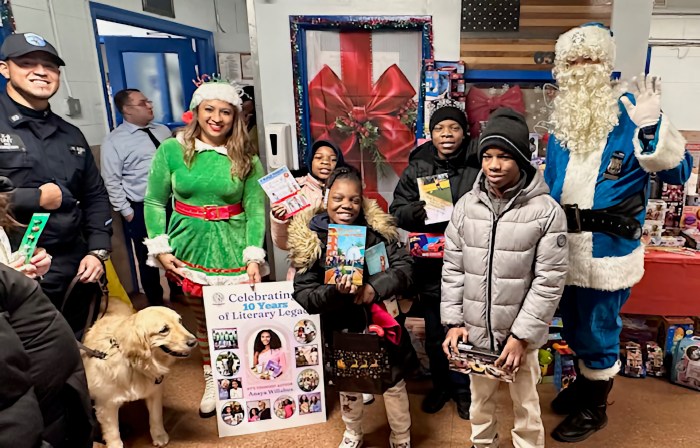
<point>153,138</point>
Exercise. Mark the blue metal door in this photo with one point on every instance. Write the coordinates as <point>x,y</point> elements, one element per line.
<point>163,69</point>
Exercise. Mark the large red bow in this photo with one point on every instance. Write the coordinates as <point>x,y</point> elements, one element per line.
<point>359,107</point>
<point>480,105</point>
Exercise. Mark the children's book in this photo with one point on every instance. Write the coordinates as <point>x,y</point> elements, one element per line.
<point>281,187</point>
<point>479,362</point>
<point>377,259</point>
<point>345,253</point>
<point>426,245</point>
<point>437,194</point>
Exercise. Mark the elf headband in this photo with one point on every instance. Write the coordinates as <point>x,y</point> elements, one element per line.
<point>591,40</point>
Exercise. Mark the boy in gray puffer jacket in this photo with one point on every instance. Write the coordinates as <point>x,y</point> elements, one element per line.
<point>505,266</point>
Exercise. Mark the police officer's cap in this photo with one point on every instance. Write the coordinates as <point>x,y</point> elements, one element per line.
<point>17,45</point>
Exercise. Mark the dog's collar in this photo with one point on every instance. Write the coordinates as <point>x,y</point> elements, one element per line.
<point>96,353</point>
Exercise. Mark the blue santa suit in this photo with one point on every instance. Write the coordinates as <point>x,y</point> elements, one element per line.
<point>603,267</point>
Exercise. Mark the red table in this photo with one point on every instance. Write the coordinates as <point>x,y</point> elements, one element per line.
<point>670,286</point>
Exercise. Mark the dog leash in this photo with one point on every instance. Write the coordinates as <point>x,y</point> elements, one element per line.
<point>91,310</point>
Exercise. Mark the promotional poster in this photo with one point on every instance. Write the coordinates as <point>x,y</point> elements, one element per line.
<point>266,355</point>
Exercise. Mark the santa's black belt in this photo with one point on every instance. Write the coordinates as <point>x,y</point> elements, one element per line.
<point>580,220</point>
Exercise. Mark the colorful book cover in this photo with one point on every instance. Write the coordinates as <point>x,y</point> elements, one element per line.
<point>345,253</point>
<point>426,245</point>
<point>437,194</point>
<point>377,259</point>
<point>281,187</point>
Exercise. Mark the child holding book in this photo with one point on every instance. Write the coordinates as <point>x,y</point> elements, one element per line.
<point>451,152</point>
<point>505,265</point>
<point>321,160</point>
<point>343,306</point>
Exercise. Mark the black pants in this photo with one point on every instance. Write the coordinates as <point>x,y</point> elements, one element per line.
<point>442,376</point>
<point>150,277</point>
<point>64,267</point>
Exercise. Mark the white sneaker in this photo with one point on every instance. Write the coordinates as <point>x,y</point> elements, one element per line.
<point>350,440</point>
<point>367,398</point>
<point>207,407</point>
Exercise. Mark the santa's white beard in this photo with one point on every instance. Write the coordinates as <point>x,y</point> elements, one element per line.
<point>585,110</point>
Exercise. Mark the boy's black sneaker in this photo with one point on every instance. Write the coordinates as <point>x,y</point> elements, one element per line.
<point>435,400</point>
<point>463,401</point>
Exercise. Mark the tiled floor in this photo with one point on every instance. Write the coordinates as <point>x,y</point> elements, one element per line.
<point>645,413</point>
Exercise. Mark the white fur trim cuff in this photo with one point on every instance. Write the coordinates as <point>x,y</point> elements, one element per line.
<point>156,246</point>
<point>599,374</point>
<point>670,149</point>
<point>252,254</point>
<point>606,273</point>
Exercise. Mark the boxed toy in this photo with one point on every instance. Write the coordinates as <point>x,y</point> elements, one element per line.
<point>686,363</point>
<point>672,330</point>
<point>654,359</point>
<point>631,358</point>
<point>564,370</point>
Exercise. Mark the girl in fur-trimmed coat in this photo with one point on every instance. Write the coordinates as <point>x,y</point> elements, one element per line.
<point>343,306</point>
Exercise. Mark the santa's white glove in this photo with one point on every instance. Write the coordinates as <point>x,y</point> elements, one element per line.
<point>647,111</point>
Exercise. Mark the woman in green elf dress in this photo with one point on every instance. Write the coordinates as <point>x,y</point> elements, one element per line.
<point>215,236</point>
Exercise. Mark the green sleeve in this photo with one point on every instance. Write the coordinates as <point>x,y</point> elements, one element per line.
<point>158,191</point>
<point>254,206</point>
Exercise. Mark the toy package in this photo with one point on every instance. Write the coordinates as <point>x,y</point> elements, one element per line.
<point>632,363</point>
<point>479,362</point>
<point>654,359</point>
<point>672,330</point>
<point>686,363</point>
<point>564,370</point>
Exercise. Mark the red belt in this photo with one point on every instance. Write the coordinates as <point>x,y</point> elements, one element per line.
<point>209,212</point>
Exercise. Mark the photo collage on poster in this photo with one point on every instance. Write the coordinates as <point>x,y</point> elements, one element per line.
<point>267,369</point>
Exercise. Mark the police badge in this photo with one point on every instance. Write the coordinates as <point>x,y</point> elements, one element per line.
<point>615,166</point>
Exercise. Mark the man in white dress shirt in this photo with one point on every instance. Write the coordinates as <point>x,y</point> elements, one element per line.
<point>126,156</point>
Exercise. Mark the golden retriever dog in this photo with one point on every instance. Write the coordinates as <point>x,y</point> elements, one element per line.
<point>139,349</point>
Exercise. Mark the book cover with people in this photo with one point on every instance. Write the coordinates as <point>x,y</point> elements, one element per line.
<point>437,194</point>
<point>345,253</point>
<point>377,259</point>
<point>281,187</point>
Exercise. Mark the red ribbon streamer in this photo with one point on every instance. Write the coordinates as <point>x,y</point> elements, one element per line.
<point>355,97</point>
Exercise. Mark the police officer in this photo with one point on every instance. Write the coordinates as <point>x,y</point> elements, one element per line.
<point>50,163</point>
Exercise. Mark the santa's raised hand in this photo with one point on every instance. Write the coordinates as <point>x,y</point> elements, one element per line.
<point>647,110</point>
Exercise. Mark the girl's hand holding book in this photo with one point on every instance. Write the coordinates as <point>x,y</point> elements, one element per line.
<point>278,211</point>
<point>345,286</point>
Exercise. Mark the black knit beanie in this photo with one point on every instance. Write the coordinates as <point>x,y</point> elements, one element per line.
<point>508,131</point>
<point>449,113</point>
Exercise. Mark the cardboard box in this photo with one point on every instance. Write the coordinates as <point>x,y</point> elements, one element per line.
<point>672,330</point>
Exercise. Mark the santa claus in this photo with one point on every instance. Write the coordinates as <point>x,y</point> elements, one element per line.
<point>603,149</point>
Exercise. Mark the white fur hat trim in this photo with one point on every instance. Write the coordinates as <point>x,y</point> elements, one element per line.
<point>217,91</point>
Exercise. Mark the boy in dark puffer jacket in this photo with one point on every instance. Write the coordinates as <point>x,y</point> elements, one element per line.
<point>450,151</point>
